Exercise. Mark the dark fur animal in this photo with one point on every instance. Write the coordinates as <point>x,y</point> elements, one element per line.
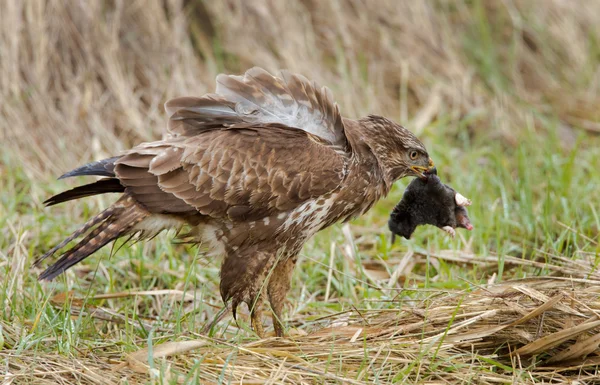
<point>429,201</point>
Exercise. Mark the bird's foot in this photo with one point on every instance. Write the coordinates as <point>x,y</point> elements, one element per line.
<point>449,230</point>
<point>256,319</point>
<point>279,285</point>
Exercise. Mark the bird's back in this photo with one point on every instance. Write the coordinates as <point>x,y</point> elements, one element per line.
<point>260,158</point>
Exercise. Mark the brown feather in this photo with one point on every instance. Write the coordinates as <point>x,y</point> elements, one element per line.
<point>102,167</point>
<point>103,186</point>
<point>112,223</point>
<point>260,161</point>
<point>255,170</point>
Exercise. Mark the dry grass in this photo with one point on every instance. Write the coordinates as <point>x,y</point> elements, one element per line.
<point>100,71</point>
<point>82,80</point>
<point>523,331</point>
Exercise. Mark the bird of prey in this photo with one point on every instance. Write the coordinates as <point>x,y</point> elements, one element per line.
<point>429,201</point>
<point>252,171</point>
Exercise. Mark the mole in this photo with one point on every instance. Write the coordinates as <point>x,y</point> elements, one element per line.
<point>429,201</point>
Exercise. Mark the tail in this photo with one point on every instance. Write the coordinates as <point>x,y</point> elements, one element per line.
<point>104,167</point>
<point>116,221</point>
<point>102,186</point>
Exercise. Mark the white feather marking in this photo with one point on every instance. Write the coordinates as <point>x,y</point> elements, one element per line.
<point>263,106</point>
<point>156,223</point>
<point>311,214</point>
<point>211,236</point>
<point>161,155</point>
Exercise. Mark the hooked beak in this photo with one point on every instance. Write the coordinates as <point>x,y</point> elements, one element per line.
<point>422,172</point>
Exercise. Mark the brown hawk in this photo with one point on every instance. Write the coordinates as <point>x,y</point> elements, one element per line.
<point>253,171</point>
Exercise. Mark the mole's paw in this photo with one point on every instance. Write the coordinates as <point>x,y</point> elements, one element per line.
<point>461,200</point>
<point>449,230</point>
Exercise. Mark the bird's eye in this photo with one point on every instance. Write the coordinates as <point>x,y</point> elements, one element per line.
<point>413,155</point>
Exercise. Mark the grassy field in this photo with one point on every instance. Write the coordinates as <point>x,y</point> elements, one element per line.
<point>505,96</point>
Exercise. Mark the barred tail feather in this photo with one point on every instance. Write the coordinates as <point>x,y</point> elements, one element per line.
<point>103,216</point>
<point>112,223</point>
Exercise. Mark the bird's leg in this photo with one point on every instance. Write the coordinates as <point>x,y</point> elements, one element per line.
<point>243,279</point>
<point>256,310</point>
<point>279,285</point>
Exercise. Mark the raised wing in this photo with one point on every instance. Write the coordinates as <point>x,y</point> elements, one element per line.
<point>242,172</point>
<point>258,97</point>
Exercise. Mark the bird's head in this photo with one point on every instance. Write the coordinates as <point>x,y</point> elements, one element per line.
<point>399,152</point>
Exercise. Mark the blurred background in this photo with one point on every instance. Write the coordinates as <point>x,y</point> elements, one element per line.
<point>505,94</point>
<point>79,79</point>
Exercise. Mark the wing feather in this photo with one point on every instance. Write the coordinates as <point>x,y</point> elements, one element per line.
<point>260,144</point>
<point>244,173</point>
<point>258,97</point>
<point>190,115</point>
